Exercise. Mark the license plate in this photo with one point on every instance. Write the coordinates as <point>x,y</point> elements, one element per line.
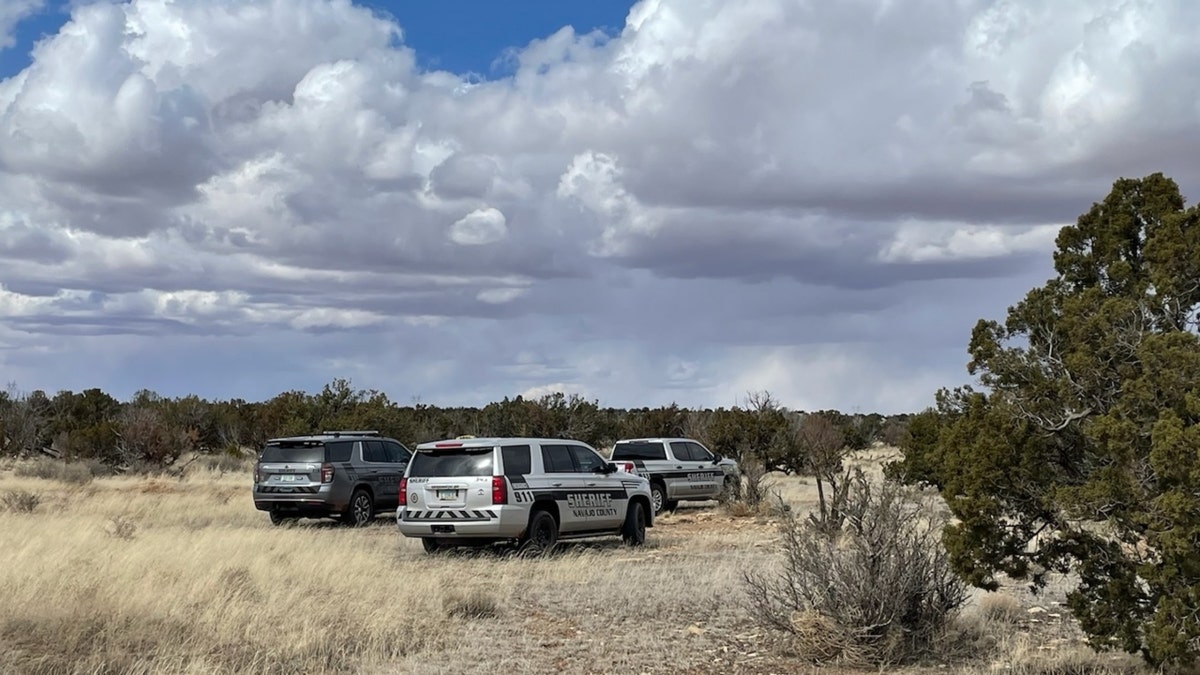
<point>290,478</point>
<point>447,495</point>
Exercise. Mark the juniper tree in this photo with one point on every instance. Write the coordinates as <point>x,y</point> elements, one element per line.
<point>1080,450</point>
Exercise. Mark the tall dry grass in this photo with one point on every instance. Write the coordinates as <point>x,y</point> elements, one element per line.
<point>137,574</point>
<point>164,575</point>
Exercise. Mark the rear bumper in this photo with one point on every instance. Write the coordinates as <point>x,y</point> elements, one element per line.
<point>321,501</point>
<point>494,522</point>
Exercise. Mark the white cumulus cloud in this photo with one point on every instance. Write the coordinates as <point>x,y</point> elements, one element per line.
<point>817,197</point>
<point>479,227</point>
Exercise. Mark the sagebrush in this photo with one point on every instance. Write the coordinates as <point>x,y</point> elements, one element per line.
<point>877,590</point>
<point>21,501</point>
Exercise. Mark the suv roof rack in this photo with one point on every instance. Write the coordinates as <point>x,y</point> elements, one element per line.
<point>349,433</point>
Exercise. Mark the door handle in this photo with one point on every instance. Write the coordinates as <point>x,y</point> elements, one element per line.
<point>591,484</point>
<point>679,467</point>
<point>557,484</point>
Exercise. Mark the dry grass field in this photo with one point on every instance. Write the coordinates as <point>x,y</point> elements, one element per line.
<point>167,575</point>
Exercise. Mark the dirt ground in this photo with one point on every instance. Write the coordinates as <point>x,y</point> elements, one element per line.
<point>149,575</point>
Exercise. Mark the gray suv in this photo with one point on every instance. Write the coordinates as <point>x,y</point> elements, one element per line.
<point>351,475</point>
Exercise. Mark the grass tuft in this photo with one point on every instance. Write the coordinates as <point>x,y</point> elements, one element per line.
<point>21,501</point>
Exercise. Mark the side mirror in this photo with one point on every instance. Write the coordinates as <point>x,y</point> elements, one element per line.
<point>717,459</point>
<point>605,468</point>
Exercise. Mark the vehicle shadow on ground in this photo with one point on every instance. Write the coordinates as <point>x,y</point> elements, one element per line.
<point>560,550</point>
<point>380,522</point>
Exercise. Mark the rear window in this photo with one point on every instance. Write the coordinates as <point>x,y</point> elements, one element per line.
<point>300,452</point>
<point>639,450</point>
<point>453,462</point>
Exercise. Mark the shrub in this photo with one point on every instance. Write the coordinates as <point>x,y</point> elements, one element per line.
<point>1000,607</point>
<point>75,473</point>
<point>21,501</point>
<point>121,527</point>
<point>147,437</point>
<point>878,590</point>
<point>749,492</point>
<point>475,604</point>
<point>226,463</point>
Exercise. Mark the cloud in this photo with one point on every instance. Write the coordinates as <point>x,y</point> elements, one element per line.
<point>11,13</point>
<point>479,227</point>
<point>816,197</point>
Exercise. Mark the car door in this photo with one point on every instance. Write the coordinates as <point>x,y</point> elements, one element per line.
<point>565,482</point>
<point>376,468</point>
<point>682,471</point>
<point>601,504</point>
<point>397,461</point>
<point>710,478</point>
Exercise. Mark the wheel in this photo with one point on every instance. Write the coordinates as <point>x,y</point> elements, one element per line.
<point>729,490</point>
<point>541,535</point>
<point>361,510</point>
<point>278,518</point>
<point>658,497</point>
<point>430,545</point>
<point>633,532</point>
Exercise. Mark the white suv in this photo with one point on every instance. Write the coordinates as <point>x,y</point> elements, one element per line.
<point>678,469</point>
<point>530,492</point>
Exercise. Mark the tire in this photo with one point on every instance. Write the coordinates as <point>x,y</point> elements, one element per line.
<point>633,532</point>
<point>728,490</point>
<point>541,535</point>
<point>658,497</point>
<point>672,504</point>
<point>278,518</point>
<point>431,545</point>
<point>361,510</point>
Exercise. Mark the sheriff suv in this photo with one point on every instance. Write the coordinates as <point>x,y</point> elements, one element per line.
<point>350,475</point>
<point>527,492</point>
<point>678,469</point>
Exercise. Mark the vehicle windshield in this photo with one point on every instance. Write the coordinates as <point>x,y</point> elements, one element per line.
<point>442,463</point>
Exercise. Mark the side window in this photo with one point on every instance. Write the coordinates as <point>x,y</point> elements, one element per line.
<point>373,451</point>
<point>339,451</point>
<point>681,451</point>
<point>397,454</point>
<point>699,453</point>
<point>517,461</point>
<point>557,459</point>
<point>585,459</point>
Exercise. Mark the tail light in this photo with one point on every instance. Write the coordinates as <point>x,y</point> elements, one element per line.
<point>326,473</point>
<point>499,490</point>
<point>403,491</point>
<point>627,467</point>
<point>257,474</point>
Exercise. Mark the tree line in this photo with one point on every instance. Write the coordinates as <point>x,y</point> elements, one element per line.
<point>153,431</point>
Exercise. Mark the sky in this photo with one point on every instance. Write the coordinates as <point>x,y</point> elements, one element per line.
<point>643,203</point>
